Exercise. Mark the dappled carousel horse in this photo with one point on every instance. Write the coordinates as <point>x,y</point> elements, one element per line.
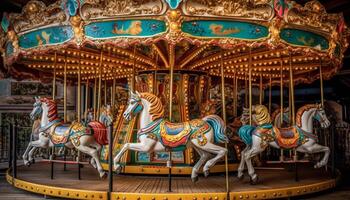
<point>300,136</point>
<point>87,139</point>
<point>156,134</point>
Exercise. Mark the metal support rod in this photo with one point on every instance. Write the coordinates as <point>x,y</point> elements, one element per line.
<point>113,90</point>
<point>65,90</point>
<point>133,71</point>
<point>260,90</point>
<point>105,92</point>
<point>270,94</point>
<point>245,90</point>
<point>79,93</point>
<point>95,97</point>
<point>250,87</point>
<point>99,87</point>
<point>321,85</point>
<point>14,151</point>
<point>110,161</point>
<point>223,103</point>
<point>54,79</point>
<point>52,169</point>
<point>10,146</point>
<point>86,99</point>
<point>79,110</point>
<point>281,104</point>
<point>171,62</point>
<point>236,96</point>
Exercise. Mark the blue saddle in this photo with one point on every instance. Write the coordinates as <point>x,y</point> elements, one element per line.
<point>173,128</point>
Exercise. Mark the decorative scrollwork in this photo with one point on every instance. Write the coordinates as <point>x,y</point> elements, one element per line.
<point>313,14</point>
<point>37,14</point>
<point>260,9</point>
<point>97,9</point>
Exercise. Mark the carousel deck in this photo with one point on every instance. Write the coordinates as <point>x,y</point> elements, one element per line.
<point>273,183</point>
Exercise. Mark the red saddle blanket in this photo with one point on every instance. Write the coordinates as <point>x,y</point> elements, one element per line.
<point>287,137</point>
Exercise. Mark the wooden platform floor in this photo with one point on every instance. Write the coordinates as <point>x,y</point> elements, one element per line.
<point>268,179</point>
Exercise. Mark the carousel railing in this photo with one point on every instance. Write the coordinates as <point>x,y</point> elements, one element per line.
<point>23,138</point>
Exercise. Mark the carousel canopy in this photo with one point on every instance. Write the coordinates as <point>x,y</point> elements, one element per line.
<point>116,38</point>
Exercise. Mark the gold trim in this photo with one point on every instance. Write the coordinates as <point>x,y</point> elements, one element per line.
<point>69,193</point>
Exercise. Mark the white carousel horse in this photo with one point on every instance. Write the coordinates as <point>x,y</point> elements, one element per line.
<point>300,136</point>
<point>157,134</point>
<point>52,132</point>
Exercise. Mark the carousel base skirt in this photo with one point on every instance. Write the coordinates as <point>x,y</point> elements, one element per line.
<point>273,183</point>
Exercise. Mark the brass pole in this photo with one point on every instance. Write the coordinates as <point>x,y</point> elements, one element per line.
<point>260,91</point>
<point>281,103</point>
<point>86,98</point>
<point>321,85</point>
<point>79,91</point>
<point>113,89</point>
<point>236,95</point>
<point>281,91</point>
<point>105,91</point>
<point>292,89</point>
<point>65,91</point>
<point>95,97</point>
<point>171,62</point>
<point>99,86</point>
<point>270,93</point>
<point>250,87</point>
<point>133,71</point>
<point>291,82</point>
<point>224,116</point>
<point>54,79</point>
<point>245,90</point>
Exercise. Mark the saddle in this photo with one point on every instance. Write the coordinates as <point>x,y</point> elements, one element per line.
<point>174,128</point>
<point>60,134</point>
<point>287,137</point>
<point>174,132</point>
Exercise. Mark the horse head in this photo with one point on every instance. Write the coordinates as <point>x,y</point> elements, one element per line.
<point>37,108</point>
<point>321,117</point>
<point>134,106</point>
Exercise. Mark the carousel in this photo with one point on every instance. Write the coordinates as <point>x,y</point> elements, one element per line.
<point>173,97</point>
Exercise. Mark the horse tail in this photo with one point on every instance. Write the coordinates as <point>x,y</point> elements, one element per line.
<point>245,133</point>
<point>99,131</point>
<point>219,128</point>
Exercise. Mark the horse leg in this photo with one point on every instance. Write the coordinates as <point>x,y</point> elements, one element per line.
<point>249,154</point>
<point>36,144</point>
<point>25,155</point>
<point>211,148</point>
<point>203,157</point>
<point>98,147</point>
<point>146,145</point>
<point>312,148</point>
<point>240,174</point>
<point>93,153</point>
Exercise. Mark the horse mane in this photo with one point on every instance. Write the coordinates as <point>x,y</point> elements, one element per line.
<point>262,115</point>
<point>52,114</point>
<point>156,109</point>
<point>300,112</point>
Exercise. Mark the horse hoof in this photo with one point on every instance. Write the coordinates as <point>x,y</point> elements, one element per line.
<point>118,169</point>
<point>104,175</point>
<point>206,173</point>
<point>254,181</point>
<point>195,179</point>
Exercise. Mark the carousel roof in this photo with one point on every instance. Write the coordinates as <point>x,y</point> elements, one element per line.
<point>116,37</point>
